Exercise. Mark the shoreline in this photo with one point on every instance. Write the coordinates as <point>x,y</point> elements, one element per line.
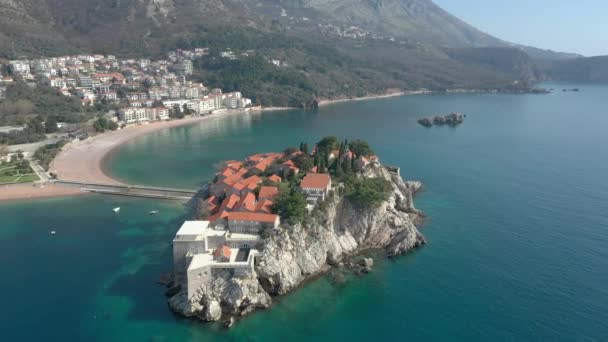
<point>84,161</point>
<point>326,102</point>
<point>29,191</point>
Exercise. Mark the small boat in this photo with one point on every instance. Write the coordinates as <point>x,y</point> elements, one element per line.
<point>53,232</point>
<point>117,209</point>
<point>153,212</point>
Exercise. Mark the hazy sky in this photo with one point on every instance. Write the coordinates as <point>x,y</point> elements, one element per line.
<point>563,25</point>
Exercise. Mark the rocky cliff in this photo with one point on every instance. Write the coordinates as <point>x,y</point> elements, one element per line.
<point>291,255</point>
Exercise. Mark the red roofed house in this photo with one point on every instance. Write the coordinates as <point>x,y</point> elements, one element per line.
<point>222,254</point>
<point>264,206</point>
<point>268,192</point>
<point>275,178</point>
<point>289,167</point>
<point>315,186</point>
<point>221,186</point>
<point>251,223</point>
<point>247,203</point>
<point>244,186</point>
<point>230,203</point>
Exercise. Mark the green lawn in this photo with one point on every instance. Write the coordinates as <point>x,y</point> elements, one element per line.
<point>10,175</point>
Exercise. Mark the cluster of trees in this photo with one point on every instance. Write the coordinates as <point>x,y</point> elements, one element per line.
<point>361,191</point>
<point>258,79</point>
<point>366,192</point>
<point>102,124</point>
<point>290,204</point>
<point>342,165</point>
<point>34,131</point>
<point>46,154</point>
<point>22,100</point>
<point>178,112</point>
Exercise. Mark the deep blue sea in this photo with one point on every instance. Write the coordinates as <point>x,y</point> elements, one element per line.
<point>517,205</point>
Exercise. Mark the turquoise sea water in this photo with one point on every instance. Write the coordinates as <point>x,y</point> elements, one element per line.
<point>517,200</point>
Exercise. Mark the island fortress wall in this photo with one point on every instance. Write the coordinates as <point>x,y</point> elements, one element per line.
<point>290,255</point>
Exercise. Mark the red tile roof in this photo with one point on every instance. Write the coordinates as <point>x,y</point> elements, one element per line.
<point>230,202</point>
<point>264,206</point>
<point>248,202</point>
<point>275,178</point>
<point>264,164</point>
<point>252,180</point>
<point>222,251</point>
<point>227,172</point>
<point>315,181</point>
<point>257,217</point>
<point>268,192</point>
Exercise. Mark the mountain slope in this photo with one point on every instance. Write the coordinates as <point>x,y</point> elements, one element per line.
<point>590,69</point>
<point>332,48</point>
<point>419,20</point>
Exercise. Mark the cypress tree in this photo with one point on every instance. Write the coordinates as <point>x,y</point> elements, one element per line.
<point>338,169</point>
<point>347,166</point>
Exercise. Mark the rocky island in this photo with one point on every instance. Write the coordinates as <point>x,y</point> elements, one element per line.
<point>452,119</point>
<point>275,220</point>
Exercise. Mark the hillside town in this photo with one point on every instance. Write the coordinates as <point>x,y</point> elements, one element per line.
<point>144,89</point>
<point>249,198</point>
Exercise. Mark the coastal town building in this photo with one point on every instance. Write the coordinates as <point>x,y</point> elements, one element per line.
<point>201,250</point>
<point>129,83</point>
<point>315,186</point>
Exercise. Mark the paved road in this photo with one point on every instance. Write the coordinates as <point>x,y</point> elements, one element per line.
<point>44,177</point>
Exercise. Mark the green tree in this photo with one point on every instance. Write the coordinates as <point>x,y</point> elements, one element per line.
<point>176,112</point>
<point>328,144</point>
<point>35,125</point>
<point>100,125</point>
<point>112,125</point>
<point>338,172</point>
<point>303,162</point>
<point>50,125</point>
<point>290,206</point>
<point>290,150</point>
<point>347,166</point>
<point>367,192</point>
<point>360,148</point>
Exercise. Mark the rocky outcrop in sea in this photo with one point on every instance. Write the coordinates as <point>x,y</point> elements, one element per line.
<point>452,119</point>
<point>292,255</point>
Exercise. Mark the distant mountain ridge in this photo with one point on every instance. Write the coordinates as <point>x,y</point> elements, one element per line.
<point>73,23</point>
<point>332,48</point>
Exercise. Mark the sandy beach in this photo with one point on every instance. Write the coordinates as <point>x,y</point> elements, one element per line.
<point>82,161</point>
<point>29,191</point>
